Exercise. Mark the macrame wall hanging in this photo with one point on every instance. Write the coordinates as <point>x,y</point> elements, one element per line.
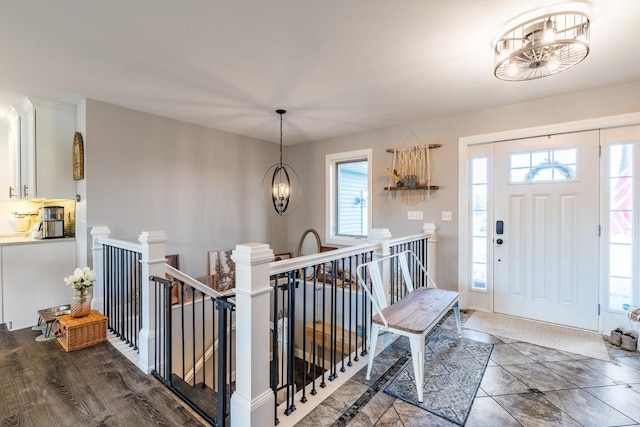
<point>410,172</point>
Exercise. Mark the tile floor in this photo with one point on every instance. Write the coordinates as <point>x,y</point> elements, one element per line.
<point>523,385</point>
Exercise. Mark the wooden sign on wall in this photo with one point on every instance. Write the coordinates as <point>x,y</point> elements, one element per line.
<point>78,157</point>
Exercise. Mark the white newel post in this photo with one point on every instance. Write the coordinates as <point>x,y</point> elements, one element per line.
<point>151,264</point>
<point>429,229</point>
<point>253,402</point>
<point>97,249</point>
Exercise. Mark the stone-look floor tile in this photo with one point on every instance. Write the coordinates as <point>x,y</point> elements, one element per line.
<point>377,370</point>
<point>506,340</point>
<point>412,416</point>
<point>321,416</point>
<point>586,409</point>
<point>616,373</point>
<point>534,410</point>
<point>486,412</point>
<point>480,336</point>
<point>633,362</point>
<point>401,342</point>
<point>535,375</point>
<point>624,399</point>
<point>616,352</point>
<point>491,363</point>
<point>579,374</point>
<point>389,355</point>
<point>481,392</point>
<point>497,380</point>
<point>373,410</point>
<point>540,354</point>
<point>389,419</point>
<point>345,396</point>
<point>504,354</point>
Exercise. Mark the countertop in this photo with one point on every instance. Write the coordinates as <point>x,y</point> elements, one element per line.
<point>20,239</point>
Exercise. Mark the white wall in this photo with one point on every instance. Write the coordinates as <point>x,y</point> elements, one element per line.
<point>83,238</point>
<point>308,160</point>
<point>199,185</point>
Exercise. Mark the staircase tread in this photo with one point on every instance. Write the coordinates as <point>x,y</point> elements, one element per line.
<point>206,398</point>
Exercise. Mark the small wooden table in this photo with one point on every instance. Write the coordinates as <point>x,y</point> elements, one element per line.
<point>49,316</point>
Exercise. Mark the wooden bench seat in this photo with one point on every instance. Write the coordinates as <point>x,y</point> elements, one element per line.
<point>419,311</point>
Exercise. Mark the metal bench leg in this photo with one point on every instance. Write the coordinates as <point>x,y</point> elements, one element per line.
<point>375,330</point>
<point>417,356</point>
<point>456,311</point>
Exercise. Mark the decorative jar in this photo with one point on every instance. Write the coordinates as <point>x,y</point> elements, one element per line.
<point>81,303</point>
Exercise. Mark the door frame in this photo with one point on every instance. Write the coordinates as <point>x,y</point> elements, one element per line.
<point>466,294</point>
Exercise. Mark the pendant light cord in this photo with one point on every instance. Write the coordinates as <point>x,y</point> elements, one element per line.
<point>280,139</point>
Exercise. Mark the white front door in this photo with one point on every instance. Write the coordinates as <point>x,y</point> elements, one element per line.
<point>545,236</point>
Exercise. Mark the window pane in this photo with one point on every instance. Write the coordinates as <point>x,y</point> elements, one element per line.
<point>621,190</point>
<point>479,225</point>
<point>620,263</point>
<point>479,276</point>
<point>567,157</point>
<point>540,157</point>
<point>479,168</point>
<point>544,166</point>
<point>520,161</point>
<point>620,291</point>
<point>621,241</point>
<point>479,250</point>
<point>620,227</point>
<point>352,198</point>
<point>478,204</point>
<point>621,160</point>
<point>479,198</point>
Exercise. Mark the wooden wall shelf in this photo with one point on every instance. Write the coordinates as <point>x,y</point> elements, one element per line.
<point>431,187</point>
<point>391,150</point>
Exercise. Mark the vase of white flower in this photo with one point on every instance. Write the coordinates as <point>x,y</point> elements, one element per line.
<point>81,281</point>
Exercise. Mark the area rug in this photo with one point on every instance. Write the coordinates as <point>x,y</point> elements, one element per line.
<point>452,374</point>
<point>590,344</point>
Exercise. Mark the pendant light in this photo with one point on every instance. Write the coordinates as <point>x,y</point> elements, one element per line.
<point>280,184</point>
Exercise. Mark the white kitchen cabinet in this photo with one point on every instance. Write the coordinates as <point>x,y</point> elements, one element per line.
<point>43,163</point>
<point>31,278</point>
<point>13,157</point>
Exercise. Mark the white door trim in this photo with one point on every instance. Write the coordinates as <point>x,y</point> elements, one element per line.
<point>466,141</point>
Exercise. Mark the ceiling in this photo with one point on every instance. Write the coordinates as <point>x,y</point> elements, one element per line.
<point>338,67</point>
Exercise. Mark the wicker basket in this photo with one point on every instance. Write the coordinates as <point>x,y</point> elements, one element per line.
<point>74,333</point>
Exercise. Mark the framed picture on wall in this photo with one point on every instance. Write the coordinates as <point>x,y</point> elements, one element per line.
<point>223,268</point>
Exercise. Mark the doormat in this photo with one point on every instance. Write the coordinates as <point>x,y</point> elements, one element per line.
<point>453,371</point>
<point>585,343</point>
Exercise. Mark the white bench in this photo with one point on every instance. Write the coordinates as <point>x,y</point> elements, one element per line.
<point>413,316</point>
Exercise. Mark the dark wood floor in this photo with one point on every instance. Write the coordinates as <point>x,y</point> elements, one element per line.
<point>42,385</point>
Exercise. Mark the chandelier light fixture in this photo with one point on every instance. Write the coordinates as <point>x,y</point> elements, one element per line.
<point>281,183</point>
<point>542,46</point>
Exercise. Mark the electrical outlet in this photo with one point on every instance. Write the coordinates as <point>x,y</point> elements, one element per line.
<point>415,215</point>
<point>447,216</point>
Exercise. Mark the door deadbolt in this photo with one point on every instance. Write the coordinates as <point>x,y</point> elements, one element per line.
<point>499,241</point>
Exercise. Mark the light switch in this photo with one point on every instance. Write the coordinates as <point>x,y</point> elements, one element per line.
<point>447,216</point>
<point>415,215</point>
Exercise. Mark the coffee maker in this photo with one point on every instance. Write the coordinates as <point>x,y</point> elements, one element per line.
<point>52,222</point>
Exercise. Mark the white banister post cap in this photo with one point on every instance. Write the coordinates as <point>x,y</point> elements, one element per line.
<point>252,254</point>
<point>152,237</point>
<point>429,228</point>
<point>379,234</point>
<point>100,230</point>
